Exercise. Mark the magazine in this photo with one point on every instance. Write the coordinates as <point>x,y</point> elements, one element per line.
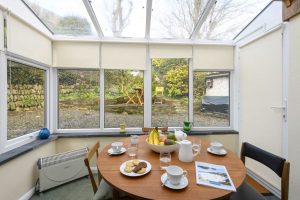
<point>213,175</point>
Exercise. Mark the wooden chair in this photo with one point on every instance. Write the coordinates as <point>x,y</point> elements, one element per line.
<point>148,129</point>
<point>279,165</point>
<point>90,154</point>
<point>101,189</point>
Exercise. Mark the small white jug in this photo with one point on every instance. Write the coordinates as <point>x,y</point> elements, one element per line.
<point>186,151</point>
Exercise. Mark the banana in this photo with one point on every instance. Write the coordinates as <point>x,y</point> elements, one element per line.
<point>150,138</point>
<point>156,136</point>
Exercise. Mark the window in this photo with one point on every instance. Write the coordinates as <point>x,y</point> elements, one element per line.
<point>26,99</point>
<point>78,99</point>
<point>124,98</point>
<point>211,99</point>
<point>170,90</point>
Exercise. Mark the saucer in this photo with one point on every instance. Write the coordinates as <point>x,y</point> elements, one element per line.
<point>111,151</point>
<point>183,183</point>
<point>219,153</point>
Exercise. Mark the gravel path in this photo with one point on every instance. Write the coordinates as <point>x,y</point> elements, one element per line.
<point>20,123</point>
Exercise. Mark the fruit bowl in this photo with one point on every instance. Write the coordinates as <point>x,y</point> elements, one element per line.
<point>162,148</point>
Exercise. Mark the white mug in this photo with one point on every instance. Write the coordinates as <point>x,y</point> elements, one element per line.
<point>216,146</point>
<point>116,146</point>
<point>175,174</point>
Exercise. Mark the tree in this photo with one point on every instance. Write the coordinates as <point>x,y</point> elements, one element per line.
<point>187,14</point>
<point>177,80</point>
<point>73,25</point>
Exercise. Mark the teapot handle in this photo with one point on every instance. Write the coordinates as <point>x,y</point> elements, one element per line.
<point>196,148</point>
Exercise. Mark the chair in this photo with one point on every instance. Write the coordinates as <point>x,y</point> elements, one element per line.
<point>159,94</point>
<point>101,189</point>
<point>279,165</point>
<point>148,129</point>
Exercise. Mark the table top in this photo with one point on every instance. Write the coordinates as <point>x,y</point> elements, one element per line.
<point>149,185</point>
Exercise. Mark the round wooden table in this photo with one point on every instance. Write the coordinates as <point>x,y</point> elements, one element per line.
<point>149,185</point>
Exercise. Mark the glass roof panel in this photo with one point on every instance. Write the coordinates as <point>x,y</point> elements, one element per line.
<point>229,17</point>
<point>121,18</point>
<point>175,18</point>
<point>67,17</point>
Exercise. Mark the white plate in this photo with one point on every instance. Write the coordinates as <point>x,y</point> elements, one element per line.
<point>132,174</point>
<point>220,153</point>
<point>183,183</point>
<point>111,151</point>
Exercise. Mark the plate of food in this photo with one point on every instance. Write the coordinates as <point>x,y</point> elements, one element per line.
<point>135,168</point>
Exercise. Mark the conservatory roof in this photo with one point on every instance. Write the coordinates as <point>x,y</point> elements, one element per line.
<point>147,19</point>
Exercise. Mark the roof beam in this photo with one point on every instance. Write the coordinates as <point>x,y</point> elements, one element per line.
<point>93,17</point>
<point>202,18</point>
<point>148,18</point>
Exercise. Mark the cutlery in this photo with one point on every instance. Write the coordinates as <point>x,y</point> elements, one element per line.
<point>163,184</point>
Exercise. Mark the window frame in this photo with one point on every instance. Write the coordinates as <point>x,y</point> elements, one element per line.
<point>6,144</point>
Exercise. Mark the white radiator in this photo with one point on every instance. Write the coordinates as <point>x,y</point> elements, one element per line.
<point>61,168</point>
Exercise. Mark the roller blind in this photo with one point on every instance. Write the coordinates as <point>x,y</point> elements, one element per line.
<point>170,51</point>
<point>213,57</point>
<point>25,41</point>
<point>123,56</point>
<point>76,54</point>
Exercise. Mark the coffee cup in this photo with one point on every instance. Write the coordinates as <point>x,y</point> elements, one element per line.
<point>175,174</point>
<point>216,146</point>
<point>116,146</point>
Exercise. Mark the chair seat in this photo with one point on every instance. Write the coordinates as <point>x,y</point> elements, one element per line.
<point>246,192</point>
<point>104,191</point>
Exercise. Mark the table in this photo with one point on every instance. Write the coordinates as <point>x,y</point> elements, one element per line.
<point>149,185</point>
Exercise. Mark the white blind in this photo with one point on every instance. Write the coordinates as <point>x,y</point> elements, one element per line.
<point>76,54</point>
<point>123,56</point>
<point>170,51</point>
<point>25,41</point>
<point>213,57</point>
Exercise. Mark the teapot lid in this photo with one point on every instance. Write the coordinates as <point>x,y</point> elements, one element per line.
<point>186,142</point>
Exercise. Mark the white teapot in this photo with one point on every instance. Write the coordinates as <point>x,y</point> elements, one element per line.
<point>186,149</point>
<point>180,135</point>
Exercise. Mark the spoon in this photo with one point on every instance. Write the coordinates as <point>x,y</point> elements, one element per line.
<point>163,184</point>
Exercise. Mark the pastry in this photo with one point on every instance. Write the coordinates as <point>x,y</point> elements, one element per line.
<point>135,162</point>
<point>141,171</point>
<point>129,164</point>
<point>139,167</point>
<point>128,169</point>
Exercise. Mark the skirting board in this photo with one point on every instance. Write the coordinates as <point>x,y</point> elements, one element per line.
<point>28,194</point>
<point>264,183</point>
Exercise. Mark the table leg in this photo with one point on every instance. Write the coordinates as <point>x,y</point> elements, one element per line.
<point>115,194</point>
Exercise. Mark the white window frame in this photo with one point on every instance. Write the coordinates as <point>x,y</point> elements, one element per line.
<point>6,144</point>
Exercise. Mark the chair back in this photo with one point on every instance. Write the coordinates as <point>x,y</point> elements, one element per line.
<point>90,154</point>
<point>279,165</point>
<point>149,129</point>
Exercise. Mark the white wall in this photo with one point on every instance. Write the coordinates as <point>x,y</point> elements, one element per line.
<point>19,175</point>
<point>220,87</point>
<point>294,107</point>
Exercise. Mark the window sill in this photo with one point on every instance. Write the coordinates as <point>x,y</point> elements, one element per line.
<point>9,155</point>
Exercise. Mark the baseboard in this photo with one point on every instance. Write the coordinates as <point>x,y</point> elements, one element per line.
<point>264,183</point>
<point>28,194</point>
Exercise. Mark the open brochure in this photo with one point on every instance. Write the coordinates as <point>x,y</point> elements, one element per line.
<point>213,175</point>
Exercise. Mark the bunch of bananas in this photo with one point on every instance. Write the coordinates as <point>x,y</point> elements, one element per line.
<point>154,137</point>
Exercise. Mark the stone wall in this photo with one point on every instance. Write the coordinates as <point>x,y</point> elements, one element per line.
<point>25,97</point>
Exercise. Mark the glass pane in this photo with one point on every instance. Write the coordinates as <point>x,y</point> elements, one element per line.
<point>121,18</point>
<point>26,99</point>
<point>124,98</point>
<point>211,99</point>
<point>170,91</point>
<point>229,17</point>
<point>78,99</point>
<point>175,18</point>
<point>67,17</point>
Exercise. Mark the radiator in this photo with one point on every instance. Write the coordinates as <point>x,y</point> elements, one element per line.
<point>61,168</point>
